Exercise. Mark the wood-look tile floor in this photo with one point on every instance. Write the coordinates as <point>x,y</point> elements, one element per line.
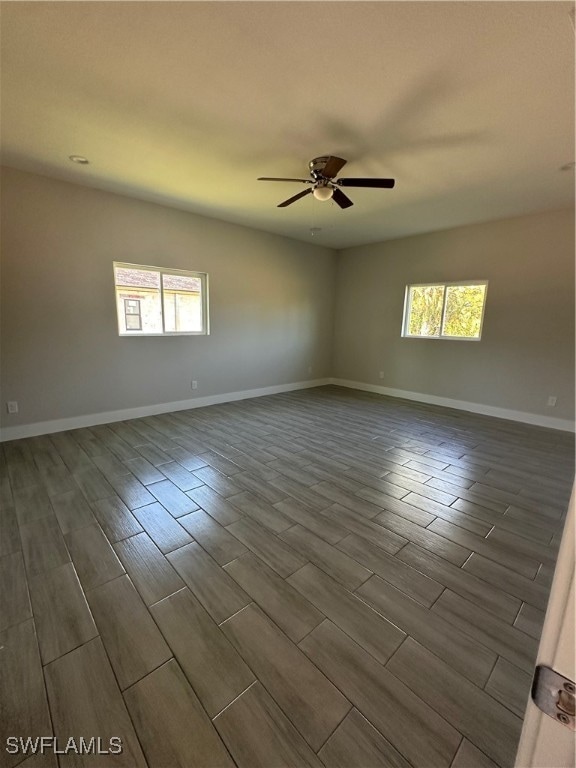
<point>321,578</point>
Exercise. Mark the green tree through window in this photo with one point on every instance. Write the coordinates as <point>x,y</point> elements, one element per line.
<point>447,310</point>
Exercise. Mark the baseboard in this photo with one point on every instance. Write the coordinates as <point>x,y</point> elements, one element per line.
<point>461,405</point>
<point>91,420</point>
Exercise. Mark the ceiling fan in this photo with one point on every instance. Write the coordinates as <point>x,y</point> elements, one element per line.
<point>325,185</point>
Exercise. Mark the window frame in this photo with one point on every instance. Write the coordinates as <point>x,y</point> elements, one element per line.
<point>203,277</point>
<point>441,337</point>
<point>133,314</point>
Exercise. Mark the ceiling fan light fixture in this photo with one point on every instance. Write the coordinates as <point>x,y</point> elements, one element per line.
<point>323,192</point>
<point>324,185</point>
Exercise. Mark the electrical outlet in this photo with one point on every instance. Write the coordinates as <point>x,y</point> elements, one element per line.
<point>12,406</point>
<point>552,401</point>
<point>381,374</point>
<point>194,384</point>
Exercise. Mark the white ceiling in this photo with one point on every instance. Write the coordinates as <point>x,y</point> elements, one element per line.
<point>469,105</point>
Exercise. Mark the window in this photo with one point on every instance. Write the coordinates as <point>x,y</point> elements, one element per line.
<point>154,302</point>
<point>132,315</point>
<point>445,310</point>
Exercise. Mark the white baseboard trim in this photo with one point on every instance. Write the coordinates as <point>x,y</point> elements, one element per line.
<point>91,420</point>
<point>461,405</point>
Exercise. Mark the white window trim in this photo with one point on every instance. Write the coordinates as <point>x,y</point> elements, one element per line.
<point>408,306</point>
<point>166,271</point>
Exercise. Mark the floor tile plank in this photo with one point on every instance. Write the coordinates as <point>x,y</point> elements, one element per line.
<point>171,723</point>
<point>115,518</point>
<point>275,552</point>
<point>93,557</point>
<point>215,505</point>
<point>163,529</point>
<point>149,570</point>
<point>131,638</point>
<point>348,500</point>
<point>23,474</point>
<point>463,653</point>
<point>510,686</point>
<point>357,743</point>
<point>406,510</point>
<point>72,511</point>
<point>14,600</point>
<point>386,539</point>
<point>469,756</point>
<point>63,619</point>
<point>535,550</point>
<point>144,471</point>
<point>300,492</point>
<point>390,568</point>
<point>385,701</point>
<point>217,481</point>
<point>462,582</point>
<point>57,480</point>
<point>305,695</point>
<point>93,484</point>
<point>250,481</point>
<point>530,620</point>
<point>213,537</point>
<point>332,561</point>
<point>31,503</point>
<point>24,704</point>
<point>131,491</point>
<point>486,723</point>
<point>525,566</point>
<point>9,533</point>
<point>424,537</point>
<point>215,589</point>
<point>505,640</point>
<point>85,700</point>
<point>218,674</point>
<point>181,477</point>
<point>260,511</point>
<point>172,498</point>
<point>509,581</point>
<point>370,629</point>
<point>43,545</point>
<point>258,734</point>
<point>286,607</point>
<point>301,513</point>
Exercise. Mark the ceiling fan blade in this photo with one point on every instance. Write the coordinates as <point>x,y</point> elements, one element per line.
<point>270,178</point>
<point>293,199</point>
<point>340,199</point>
<point>380,183</point>
<point>332,167</point>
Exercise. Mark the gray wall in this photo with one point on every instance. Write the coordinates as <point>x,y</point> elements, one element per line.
<point>271,303</point>
<point>272,308</point>
<point>527,347</point>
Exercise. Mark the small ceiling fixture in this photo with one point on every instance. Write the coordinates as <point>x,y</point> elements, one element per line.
<point>78,159</point>
<point>568,167</point>
<point>323,192</point>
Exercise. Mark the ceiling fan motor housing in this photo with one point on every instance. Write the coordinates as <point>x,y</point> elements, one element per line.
<point>317,166</point>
